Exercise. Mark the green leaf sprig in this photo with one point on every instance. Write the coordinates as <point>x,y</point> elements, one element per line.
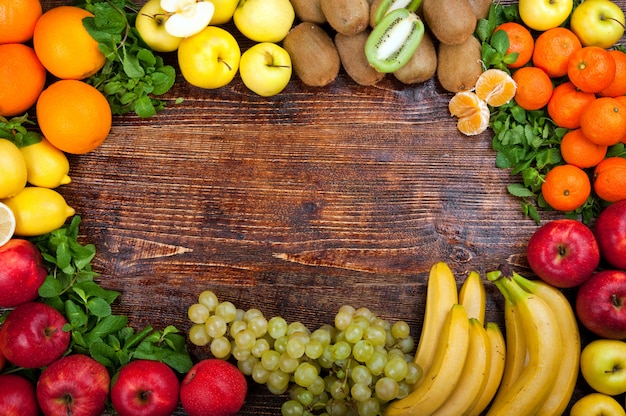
<point>133,76</point>
<point>95,329</point>
<point>15,130</point>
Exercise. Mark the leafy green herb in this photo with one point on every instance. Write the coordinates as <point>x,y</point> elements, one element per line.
<point>133,76</point>
<point>95,329</point>
<point>15,130</point>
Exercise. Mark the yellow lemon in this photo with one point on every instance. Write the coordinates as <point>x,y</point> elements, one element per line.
<point>38,211</point>
<point>7,224</point>
<point>46,165</point>
<point>12,169</point>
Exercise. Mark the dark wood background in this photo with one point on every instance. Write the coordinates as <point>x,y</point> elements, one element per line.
<point>294,204</point>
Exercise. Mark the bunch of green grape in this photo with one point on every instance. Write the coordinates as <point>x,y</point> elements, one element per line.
<point>352,367</point>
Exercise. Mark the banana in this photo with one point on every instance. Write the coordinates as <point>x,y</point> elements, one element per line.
<point>561,392</point>
<point>496,369</point>
<point>472,295</point>
<point>441,295</point>
<point>445,371</point>
<point>473,376</point>
<point>530,390</point>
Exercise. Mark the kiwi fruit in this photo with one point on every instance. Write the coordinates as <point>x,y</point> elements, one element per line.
<point>314,57</point>
<point>450,21</point>
<point>459,66</point>
<point>351,50</point>
<point>481,8</point>
<point>423,64</point>
<point>348,17</point>
<point>309,11</point>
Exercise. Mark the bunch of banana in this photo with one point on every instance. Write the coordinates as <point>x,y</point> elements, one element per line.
<point>462,359</point>
<point>543,348</point>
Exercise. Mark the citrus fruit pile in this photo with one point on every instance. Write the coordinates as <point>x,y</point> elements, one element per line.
<point>45,59</point>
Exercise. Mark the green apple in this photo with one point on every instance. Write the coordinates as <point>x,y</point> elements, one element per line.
<point>150,24</point>
<point>598,23</point>
<point>209,59</point>
<point>603,366</point>
<point>265,68</point>
<point>542,15</point>
<point>224,10</point>
<point>264,20</point>
<point>597,404</point>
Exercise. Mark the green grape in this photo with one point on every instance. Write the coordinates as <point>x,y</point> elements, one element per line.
<point>414,373</point>
<point>396,368</point>
<point>240,353</point>
<point>305,374</point>
<point>360,392</point>
<point>277,327</point>
<point>314,349</point>
<point>343,319</point>
<point>376,335</point>
<point>226,310</point>
<point>400,329</point>
<point>317,386</point>
<point>270,360</point>
<point>323,334</point>
<point>380,323</point>
<point>361,374</point>
<point>386,389</point>
<point>198,335</point>
<point>364,312</point>
<point>297,327</point>
<point>395,352</point>
<point>258,325</point>
<point>326,360</point>
<point>260,346</point>
<point>403,390</point>
<point>338,390</point>
<point>292,408</point>
<point>280,344</point>
<point>341,350</point>
<point>363,350</point>
<point>237,326</point>
<point>353,333</point>
<point>296,344</point>
<point>260,374</point>
<point>246,365</point>
<point>208,299</point>
<point>338,408</point>
<point>302,395</point>
<point>278,382</point>
<point>245,339</point>
<point>198,313</point>
<point>287,363</point>
<point>361,321</point>
<point>239,313</point>
<point>220,347</point>
<point>406,345</point>
<point>377,363</point>
<point>369,407</point>
<point>251,313</point>
<point>215,326</point>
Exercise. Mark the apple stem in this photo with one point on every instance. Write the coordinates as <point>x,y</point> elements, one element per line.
<point>616,301</point>
<point>226,63</point>
<point>614,19</point>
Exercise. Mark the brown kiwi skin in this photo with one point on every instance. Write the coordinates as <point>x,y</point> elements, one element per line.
<point>348,17</point>
<point>481,8</point>
<point>314,57</point>
<point>450,21</point>
<point>309,11</point>
<point>351,50</point>
<point>459,66</point>
<point>423,64</point>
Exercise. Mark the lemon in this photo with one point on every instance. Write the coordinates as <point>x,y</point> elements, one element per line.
<point>13,172</point>
<point>7,224</point>
<point>46,165</point>
<point>38,211</point>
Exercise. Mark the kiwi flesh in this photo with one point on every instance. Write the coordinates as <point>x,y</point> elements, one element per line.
<point>348,17</point>
<point>351,50</point>
<point>423,64</point>
<point>451,21</point>
<point>314,57</point>
<point>459,66</point>
<point>309,11</point>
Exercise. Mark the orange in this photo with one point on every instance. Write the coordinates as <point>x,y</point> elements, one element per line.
<point>609,179</point>
<point>520,41</point>
<point>579,151</point>
<point>471,111</point>
<point>534,88</point>
<point>17,20</point>
<point>566,187</point>
<point>603,121</point>
<point>618,86</point>
<point>566,104</point>
<point>495,87</point>
<point>64,46</point>
<point>22,78</point>
<point>591,69</point>
<point>74,116</point>
<point>622,99</point>
<point>553,49</point>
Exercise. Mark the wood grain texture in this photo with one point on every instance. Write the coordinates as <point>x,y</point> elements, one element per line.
<point>294,204</point>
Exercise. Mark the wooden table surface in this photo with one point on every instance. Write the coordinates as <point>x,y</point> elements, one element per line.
<point>294,204</point>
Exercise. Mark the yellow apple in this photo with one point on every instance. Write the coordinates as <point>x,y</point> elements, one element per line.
<point>542,15</point>
<point>264,20</point>
<point>598,23</point>
<point>224,10</point>
<point>603,365</point>
<point>265,68</point>
<point>597,404</point>
<point>209,59</point>
<point>150,24</point>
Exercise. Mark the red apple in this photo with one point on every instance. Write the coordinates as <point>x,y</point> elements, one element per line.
<point>21,274</point>
<point>213,387</point>
<point>32,335</point>
<point>145,388</point>
<point>610,231</point>
<point>17,397</point>
<point>3,361</point>
<point>563,253</point>
<point>600,304</point>
<point>74,385</point>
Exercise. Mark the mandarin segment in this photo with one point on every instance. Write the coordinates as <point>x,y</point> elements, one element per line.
<point>495,87</point>
<point>472,112</point>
